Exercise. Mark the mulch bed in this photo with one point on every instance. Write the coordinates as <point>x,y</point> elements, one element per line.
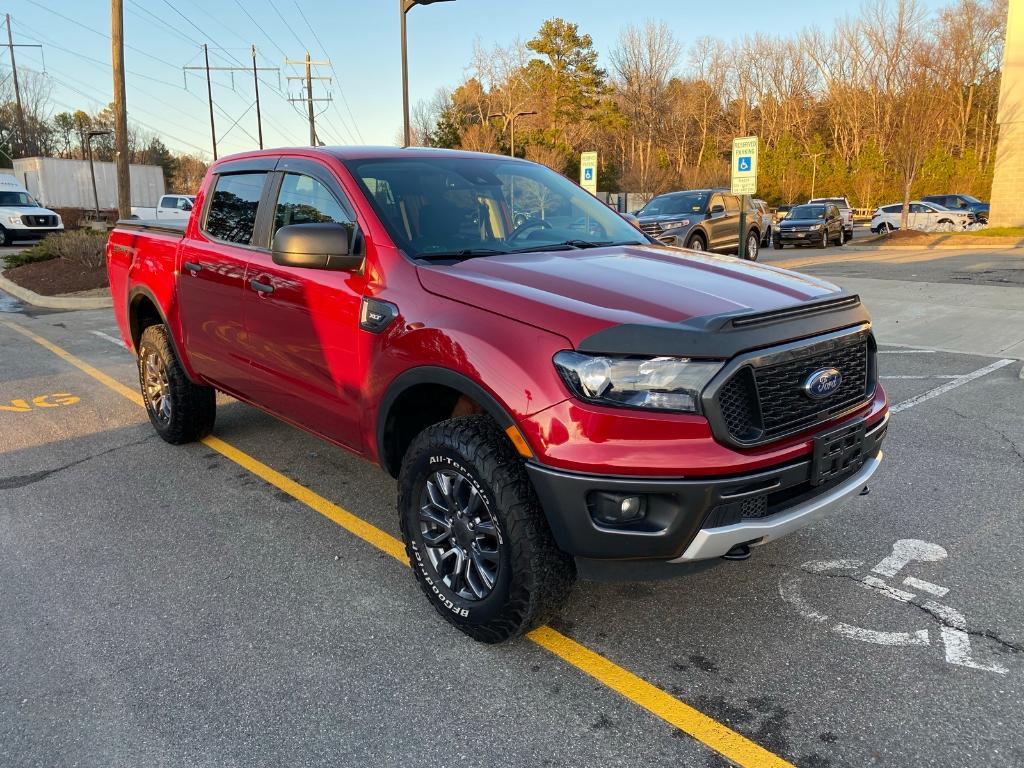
<point>57,276</point>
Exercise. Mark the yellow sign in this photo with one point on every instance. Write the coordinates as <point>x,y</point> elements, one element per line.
<point>588,172</point>
<point>744,165</point>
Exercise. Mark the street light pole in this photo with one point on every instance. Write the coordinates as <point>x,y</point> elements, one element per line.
<point>404,6</point>
<point>92,170</point>
<point>512,126</point>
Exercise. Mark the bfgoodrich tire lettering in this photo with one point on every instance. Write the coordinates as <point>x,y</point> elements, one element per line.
<point>180,411</point>
<point>531,576</point>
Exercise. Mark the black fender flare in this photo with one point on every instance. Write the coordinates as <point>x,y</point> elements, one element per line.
<point>434,374</point>
<point>142,291</point>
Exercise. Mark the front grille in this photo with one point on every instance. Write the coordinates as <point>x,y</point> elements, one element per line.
<point>651,228</point>
<point>39,221</point>
<point>766,400</point>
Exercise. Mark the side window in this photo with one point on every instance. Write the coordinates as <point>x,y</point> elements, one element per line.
<point>166,201</point>
<point>716,200</point>
<point>184,204</point>
<point>304,200</point>
<point>892,208</point>
<point>732,204</point>
<point>918,208</point>
<point>232,214</point>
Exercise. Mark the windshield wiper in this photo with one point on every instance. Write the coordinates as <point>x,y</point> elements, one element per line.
<point>567,245</point>
<point>462,253</point>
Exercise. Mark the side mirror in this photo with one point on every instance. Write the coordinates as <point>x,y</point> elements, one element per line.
<point>187,206</point>
<point>718,208</point>
<point>317,246</point>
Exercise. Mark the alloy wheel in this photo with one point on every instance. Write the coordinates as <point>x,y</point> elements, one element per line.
<point>753,244</point>
<point>156,385</point>
<point>459,534</point>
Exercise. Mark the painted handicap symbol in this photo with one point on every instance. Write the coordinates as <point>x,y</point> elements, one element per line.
<point>588,174</point>
<point>743,163</point>
<point>952,630</point>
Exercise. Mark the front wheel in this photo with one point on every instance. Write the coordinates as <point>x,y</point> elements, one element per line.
<point>475,534</point>
<point>179,410</point>
<point>823,242</point>
<point>697,243</point>
<point>777,245</point>
<point>5,237</point>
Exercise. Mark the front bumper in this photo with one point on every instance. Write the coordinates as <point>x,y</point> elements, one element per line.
<point>797,237</point>
<point>34,233</point>
<point>699,519</point>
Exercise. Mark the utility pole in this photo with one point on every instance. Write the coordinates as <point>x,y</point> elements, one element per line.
<point>124,188</point>
<point>309,77</point>
<point>209,89</point>
<point>23,133</point>
<point>256,85</point>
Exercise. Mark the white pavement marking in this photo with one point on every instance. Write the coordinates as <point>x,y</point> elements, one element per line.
<point>108,337</point>
<point>925,376</point>
<point>906,550</point>
<point>925,586</point>
<point>906,351</point>
<point>950,385</point>
<point>918,637</point>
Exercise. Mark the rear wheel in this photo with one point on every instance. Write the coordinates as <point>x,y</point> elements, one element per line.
<point>697,243</point>
<point>179,410</point>
<point>475,534</point>
<point>777,245</point>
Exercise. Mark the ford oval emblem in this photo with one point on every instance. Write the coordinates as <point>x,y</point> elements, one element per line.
<point>823,383</point>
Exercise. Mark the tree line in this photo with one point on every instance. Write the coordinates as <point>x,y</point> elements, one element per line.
<point>887,105</point>
<point>66,134</point>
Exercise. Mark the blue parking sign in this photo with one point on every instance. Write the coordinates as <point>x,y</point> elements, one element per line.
<point>588,174</point>
<point>743,163</point>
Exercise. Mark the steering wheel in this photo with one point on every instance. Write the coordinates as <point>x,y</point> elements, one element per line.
<point>525,227</point>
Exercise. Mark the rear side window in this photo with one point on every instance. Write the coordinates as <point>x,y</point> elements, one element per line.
<point>232,214</point>
<point>304,200</point>
<point>732,204</point>
<point>893,208</point>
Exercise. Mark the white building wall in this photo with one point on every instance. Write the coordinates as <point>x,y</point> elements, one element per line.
<point>59,183</point>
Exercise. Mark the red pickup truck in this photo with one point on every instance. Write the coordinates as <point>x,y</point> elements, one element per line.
<point>556,393</point>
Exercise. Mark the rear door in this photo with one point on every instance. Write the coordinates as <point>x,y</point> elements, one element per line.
<point>211,275</point>
<point>302,324</point>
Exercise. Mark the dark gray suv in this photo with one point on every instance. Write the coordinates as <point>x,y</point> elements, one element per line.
<point>703,220</point>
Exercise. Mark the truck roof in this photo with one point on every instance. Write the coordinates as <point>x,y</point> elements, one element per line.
<point>357,153</point>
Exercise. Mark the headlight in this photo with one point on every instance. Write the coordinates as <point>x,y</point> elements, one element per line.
<point>655,383</point>
<point>814,227</point>
<point>14,219</point>
<point>674,224</point>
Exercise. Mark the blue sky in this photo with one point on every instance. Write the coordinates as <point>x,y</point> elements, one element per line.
<point>359,36</point>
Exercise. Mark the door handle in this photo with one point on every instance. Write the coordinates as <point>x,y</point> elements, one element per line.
<point>256,285</point>
<point>192,266</point>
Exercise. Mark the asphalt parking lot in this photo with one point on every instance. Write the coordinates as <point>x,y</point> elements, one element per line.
<point>210,605</point>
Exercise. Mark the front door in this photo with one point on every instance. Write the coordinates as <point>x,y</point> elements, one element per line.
<point>303,323</point>
<point>211,280</point>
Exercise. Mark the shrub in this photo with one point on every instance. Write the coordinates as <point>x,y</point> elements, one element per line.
<point>83,247</point>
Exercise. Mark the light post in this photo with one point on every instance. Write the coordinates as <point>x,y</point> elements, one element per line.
<point>512,126</point>
<point>92,170</point>
<point>404,6</point>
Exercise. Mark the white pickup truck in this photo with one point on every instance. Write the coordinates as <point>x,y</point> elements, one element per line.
<point>169,207</point>
<point>845,210</point>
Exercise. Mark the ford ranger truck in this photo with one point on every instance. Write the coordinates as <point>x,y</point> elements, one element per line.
<point>560,397</point>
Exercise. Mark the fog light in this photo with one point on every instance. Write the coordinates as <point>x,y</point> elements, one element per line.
<point>617,508</point>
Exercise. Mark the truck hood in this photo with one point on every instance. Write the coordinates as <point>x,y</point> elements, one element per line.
<point>579,293</point>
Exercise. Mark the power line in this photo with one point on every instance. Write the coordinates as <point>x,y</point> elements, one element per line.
<point>285,22</point>
<point>263,31</point>
<point>337,79</point>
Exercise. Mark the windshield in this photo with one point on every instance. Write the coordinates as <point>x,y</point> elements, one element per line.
<point>483,206</point>
<point>676,203</point>
<point>807,212</point>
<point>970,199</point>
<point>18,200</point>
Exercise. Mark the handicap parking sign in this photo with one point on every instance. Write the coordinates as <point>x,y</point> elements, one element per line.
<point>588,174</point>
<point>743,163</point>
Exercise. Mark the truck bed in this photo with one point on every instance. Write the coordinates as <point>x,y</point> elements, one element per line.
<point>163,226</point>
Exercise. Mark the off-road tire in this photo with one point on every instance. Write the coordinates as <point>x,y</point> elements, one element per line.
<point>533,577</point>
<point>193,408</point>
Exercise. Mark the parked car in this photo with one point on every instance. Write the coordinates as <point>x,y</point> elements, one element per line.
<point>767,221</point>
<point>550,405</point>
<point>21,217</point>
<point>845,209</point>
<point>927,217</point>
<point>702,220</point>
<point>815,224</point>
<point>168,207</point>
<point>960,203</point>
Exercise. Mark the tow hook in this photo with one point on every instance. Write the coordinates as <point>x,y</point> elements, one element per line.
<point>739,552</point>
<point>864,491</point>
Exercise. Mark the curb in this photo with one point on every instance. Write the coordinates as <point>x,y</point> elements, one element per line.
<point>54,302</point>
<point>972,247</point>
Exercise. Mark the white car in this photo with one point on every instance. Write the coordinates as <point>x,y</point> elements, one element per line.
<point>926,217</point>
<point>169,207</point>
<point>21,217</point>
<point>767,221</point>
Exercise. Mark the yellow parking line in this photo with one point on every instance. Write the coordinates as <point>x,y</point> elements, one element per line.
<point>719,737</point>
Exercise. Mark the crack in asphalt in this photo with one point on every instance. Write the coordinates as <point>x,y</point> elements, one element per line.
<point>1006,438</point>
<point>20,481</point>
<point>1009,645</point>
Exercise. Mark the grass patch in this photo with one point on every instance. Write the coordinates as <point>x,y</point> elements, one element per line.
<point>84,247</point>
